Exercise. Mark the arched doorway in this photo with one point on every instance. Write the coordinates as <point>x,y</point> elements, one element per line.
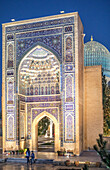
<point>38,91</point>
<point>45,135</point>
<point>35,131</point>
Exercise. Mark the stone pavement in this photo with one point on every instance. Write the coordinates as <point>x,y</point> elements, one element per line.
<point>85,156</point>
<point>50,160</point>
<point>24,166</point>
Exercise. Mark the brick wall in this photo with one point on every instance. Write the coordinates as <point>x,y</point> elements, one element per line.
<point>93,115</point>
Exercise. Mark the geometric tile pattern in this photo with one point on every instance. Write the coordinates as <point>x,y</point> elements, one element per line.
<point>10,128</point>
<point>68,87</point>
<point>35,109</point>
<point>10,91</point>
<point>69,128</point>
<point>10,56</point>
<point>43,93</point>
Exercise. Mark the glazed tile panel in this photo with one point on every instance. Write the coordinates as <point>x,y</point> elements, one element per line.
<point>57,37</point>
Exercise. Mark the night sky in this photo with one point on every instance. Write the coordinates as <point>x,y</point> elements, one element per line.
<point>95,16</point>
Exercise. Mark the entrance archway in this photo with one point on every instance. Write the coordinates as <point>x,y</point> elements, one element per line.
<point>45,135</point>
<point>38,84</point>
<point>35,131</point>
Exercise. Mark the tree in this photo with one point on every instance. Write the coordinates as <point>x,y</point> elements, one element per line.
<point>0,114</point>
<point>106,105</point>
<point>106,115</point>
<point>104,86</point>
<point>101,150</point>
<point>43,126</point>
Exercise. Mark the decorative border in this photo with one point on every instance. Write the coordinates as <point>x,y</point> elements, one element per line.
<point>66,88</point>
<point>41,32</point>
<point>68,28</point>
<point>51,23</point>
<point>71,128</point>
<point>10,112</point>
<point>12,125</point>
<point>11,79</point>
<point>69,71</point>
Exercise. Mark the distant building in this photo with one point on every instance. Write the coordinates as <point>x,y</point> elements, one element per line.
<point>97,54</point>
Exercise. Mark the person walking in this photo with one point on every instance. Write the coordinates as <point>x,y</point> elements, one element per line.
<point>32,157</point>
<point>27,155</point>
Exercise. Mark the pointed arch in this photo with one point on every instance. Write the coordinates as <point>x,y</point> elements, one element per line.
<point>35,130</point>
<point>31,61</point>
<point>42,45</point>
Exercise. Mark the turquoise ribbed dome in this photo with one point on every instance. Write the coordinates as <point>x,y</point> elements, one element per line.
<point>97,54</point>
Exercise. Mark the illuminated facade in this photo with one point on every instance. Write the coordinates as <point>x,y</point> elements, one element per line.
<point>44,75</point>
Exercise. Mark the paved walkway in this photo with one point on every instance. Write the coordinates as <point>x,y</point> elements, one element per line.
<point>45,144</point>
<point>22,166</point>
<point>85,156</point>
<point>18,162</point>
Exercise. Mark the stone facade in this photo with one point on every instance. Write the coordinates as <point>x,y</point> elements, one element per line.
<point>43,75</point>
<point>93,111</point>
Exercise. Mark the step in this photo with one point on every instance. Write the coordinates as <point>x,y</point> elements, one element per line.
<point>45,146</point>
<point>44,161</point>
<point>24,160</point>
<point>3,160</point>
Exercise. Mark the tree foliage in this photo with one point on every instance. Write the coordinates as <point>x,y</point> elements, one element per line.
<point>0,114</point>
<point>106,105</point>
<point>43,126</point>
<point>101,150</point>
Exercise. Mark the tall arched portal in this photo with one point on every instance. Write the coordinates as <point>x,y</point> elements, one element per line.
<point>39,83</point>
<point>43,73</point>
